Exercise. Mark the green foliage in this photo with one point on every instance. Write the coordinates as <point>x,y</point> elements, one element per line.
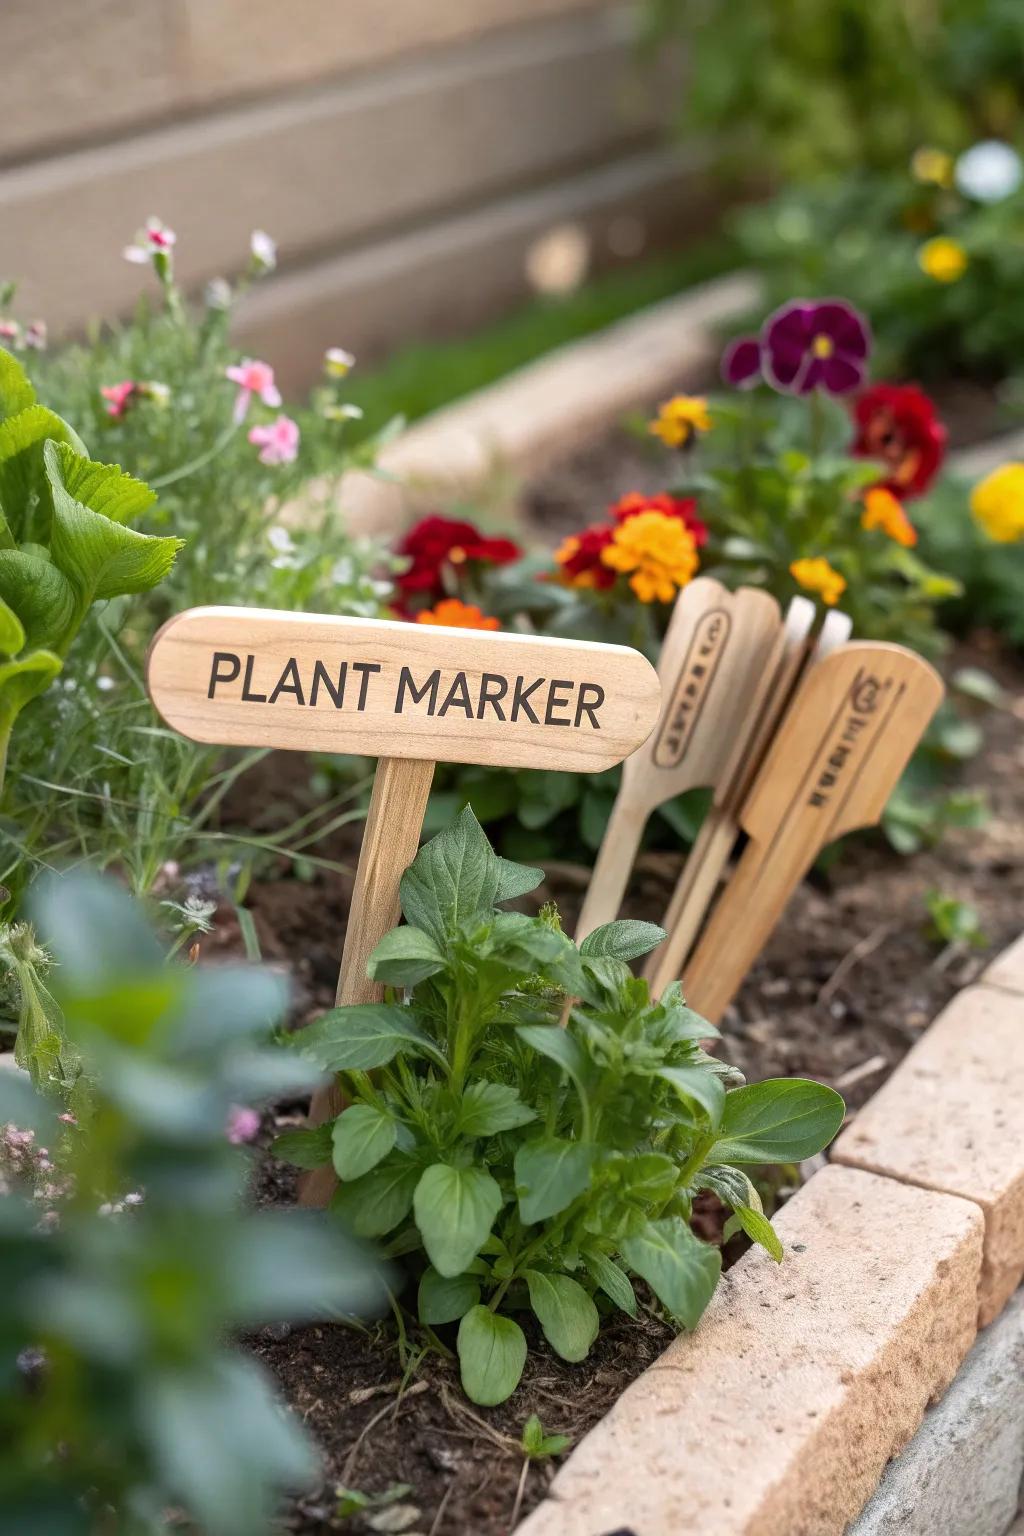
<point>522,1165</point>
<point>991,575</point>
<point>863,236</point>
<point>537,1444</point>
<point>120,1395</point>
<point>99,778</point>
<point>951,921</point>
<point>64,543</point>
<point>796,87</point>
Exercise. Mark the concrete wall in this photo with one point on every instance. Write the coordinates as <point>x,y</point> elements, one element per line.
<point>405,155</point>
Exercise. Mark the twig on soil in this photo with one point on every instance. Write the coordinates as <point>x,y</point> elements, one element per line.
<point>459,1411</point>
<point>520,1490</point>
<point>435,1525</point>
<point>371,1424</point>
<point>860,951</point>
<point>858,1074</point>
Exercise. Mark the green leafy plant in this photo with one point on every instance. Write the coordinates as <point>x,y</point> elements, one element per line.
<point>537,1444</point>
<point>128,1257</point>
<point>952,921</point>
<point>522,1165</point>
<point>65,542</point>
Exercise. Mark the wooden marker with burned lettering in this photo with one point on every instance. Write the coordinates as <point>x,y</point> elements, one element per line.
<point>409,695</point>
<point>718,658</point>
<point>832,765</point>
<point>696,887</point>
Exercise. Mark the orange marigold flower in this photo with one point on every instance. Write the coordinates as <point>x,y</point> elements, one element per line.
<point>816,575</point>
<point>679,419</point>
<point>882,510</point>
<point>657,552</point>
<point>457,615</point>
<point>683,507</point>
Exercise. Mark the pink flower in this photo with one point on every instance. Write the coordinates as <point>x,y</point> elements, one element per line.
<point>243,1124</point>
<point>36,335</point>
<point>278,442</point>
<point>10,331</point>
<point>120,396</point>
<point>253,378</point>
<point>155,240</point>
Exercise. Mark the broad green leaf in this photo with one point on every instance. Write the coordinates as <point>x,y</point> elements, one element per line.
<point>374,1205</point>
<point>455,1210</point>
<point>699,1087</point>
<point>456,877</point>
<point>12,634</point>
<point>487,1108</point>
<point>492,1353</point>
<point>26,678</point>
<point>43,599</point>
<point>404,957</point>
<point>565,1312</point>
<point>23,482</point>
<point>613,1281</point>
<point>516,880</point>
<point>557,1045</point>
<point>731,1185</point>
<point>550,1173</point>
<point>781,1120</point>
<point>445,1298</point>
<point>364,1036</point>
<point>623,940</point>
<point>16,392</point>
<point>760,1230</point>
<point>649,1177</point>
<point>680,1269</point>
<point>363,1136</point>
<point>98,556</point>
<point>104,488</point>
<point>682,1022</point>
<point>305,1146</point>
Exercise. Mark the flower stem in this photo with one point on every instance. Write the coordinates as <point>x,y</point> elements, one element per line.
<point>184,470</point>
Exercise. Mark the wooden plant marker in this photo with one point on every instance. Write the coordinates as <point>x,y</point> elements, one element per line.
<point>699,880</point>
<point>718,658</point>
<point>831,767</point>
<point>409,695</point>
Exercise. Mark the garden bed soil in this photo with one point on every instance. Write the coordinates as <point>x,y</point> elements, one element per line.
<point>842,991</point>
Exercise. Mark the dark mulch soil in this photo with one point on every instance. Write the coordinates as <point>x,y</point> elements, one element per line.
<point>844,988</point>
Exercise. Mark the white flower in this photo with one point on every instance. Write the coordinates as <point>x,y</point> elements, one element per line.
<point>155,240</point>
<point>280,539</point>
<point>989,172</point>
<point>264,250</point>
<point>342,413</point>
<point>217,293</point>
<point>338,362</point>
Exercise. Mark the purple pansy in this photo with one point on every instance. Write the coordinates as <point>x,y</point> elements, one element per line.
<point>808,346</point>
<point>741,362</point>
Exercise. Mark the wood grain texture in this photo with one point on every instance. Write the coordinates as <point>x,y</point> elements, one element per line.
<point>393,825</point>
<point>716,662</point>
<point>378,688</point>
<point>698,882</point>
<point>834,761</point>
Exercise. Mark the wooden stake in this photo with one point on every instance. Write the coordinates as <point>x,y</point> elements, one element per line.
<point>719,655</point>
<point>831,767</point>
<point>398,804</point>
<point>696,887</point>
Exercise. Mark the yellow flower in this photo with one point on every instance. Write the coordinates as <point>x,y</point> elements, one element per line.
<point>658,550</point>
<point>932,165</point>
<point>818,576</point>
<point>882,510</point>
<point>679,418</point>
<point>942,259</point>
<point>997,504</point>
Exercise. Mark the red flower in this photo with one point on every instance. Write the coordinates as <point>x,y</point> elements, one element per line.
<point>897,424</point>
<point>683,507</point>
<point>436,542</point>
<point>579,558</point>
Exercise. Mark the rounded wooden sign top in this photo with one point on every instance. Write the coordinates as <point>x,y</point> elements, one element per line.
<point>312,682</point>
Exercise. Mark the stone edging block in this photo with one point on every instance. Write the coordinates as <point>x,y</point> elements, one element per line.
<point>961,1474</point>
<point>951,1118</point>
<point>777,1416</point>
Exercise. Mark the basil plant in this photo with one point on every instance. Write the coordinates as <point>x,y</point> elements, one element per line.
<point>524,1166</point>
<point>65,542</point>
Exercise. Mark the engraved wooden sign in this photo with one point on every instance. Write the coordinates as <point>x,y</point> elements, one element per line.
<point>380,688</point>
<point>718,658</point>
<point>409,695</point>
<point>832,765</point>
